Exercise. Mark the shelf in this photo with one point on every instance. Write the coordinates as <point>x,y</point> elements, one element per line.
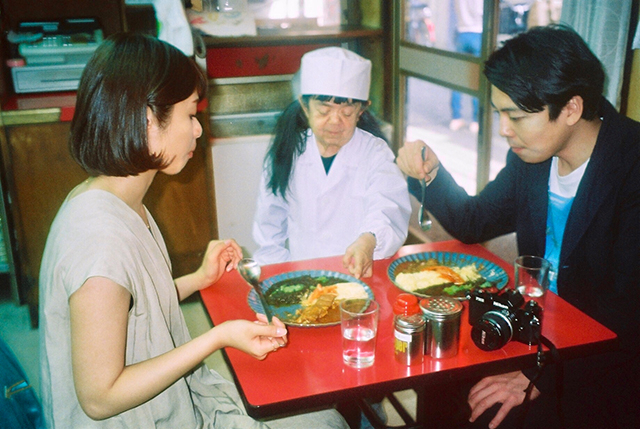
<point>267,37</point>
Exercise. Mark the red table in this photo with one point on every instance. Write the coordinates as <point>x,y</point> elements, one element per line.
<point>309,372</point>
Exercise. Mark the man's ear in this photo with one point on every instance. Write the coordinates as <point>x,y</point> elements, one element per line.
<point>574,109</point>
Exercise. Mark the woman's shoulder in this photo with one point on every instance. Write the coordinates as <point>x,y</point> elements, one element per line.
<point>92,213</point>
<point>92,234</point>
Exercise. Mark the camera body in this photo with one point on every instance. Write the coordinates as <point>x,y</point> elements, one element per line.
<point>497,318</point>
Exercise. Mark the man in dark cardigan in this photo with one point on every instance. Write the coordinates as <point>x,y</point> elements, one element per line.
<point>571,192</point>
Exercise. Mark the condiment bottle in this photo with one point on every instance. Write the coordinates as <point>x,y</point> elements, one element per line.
<point>409,327</point>
<point>406,304</point>
<point>442,334</point>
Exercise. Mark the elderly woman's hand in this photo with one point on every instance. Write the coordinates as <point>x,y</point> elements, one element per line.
<point>413,162</point>
<point>358,258</point>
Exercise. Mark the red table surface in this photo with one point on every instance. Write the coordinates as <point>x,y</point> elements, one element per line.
<point>310,371</point>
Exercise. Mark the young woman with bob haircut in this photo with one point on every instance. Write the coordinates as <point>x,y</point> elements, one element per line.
<point>115,349</point>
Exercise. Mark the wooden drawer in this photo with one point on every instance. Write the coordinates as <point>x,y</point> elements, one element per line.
<point>256,60</point>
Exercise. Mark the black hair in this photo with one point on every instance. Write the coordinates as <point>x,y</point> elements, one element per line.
<point>290,139</point>
<point>547,66</point>
<point>128,73</point>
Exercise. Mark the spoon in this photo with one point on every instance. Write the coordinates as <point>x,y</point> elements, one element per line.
<point>250,272</point>
<point>423,216</point>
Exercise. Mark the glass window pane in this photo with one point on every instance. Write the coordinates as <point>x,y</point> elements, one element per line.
<point>517,16</point>
<point>323,13</point>
<point>445,24</point>
<point>428,111</point>
<point>429,118</point>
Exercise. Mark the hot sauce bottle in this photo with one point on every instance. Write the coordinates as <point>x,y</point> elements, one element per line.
<point>409,327</point>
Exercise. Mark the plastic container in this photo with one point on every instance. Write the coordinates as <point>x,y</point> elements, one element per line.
<point>406,304</point>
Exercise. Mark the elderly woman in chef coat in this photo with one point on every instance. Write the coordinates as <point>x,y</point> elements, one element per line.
<point>330,185</point>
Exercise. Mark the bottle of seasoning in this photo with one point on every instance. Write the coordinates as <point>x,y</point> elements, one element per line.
<point>442,334</point>
<point>406,304</point>
<point>409,327</point>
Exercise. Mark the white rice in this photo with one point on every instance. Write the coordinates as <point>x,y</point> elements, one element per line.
<point>351,291</point>
<point>425,279</point>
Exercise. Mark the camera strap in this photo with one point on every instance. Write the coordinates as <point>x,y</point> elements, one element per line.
<point>542,360</point>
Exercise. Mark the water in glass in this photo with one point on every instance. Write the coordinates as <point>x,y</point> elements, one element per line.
<point>358,346</point>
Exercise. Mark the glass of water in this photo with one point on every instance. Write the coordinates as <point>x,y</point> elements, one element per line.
<point>359,321</point>
<point>531,275</point>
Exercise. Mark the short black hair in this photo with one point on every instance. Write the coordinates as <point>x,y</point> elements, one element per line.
<point>547,66</point>
<point>127,73</point>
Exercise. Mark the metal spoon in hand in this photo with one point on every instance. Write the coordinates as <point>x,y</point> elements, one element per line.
<point>250,272</point>
<point>423,216</point>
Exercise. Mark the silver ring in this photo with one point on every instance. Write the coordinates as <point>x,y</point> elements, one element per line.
<point>275,344</point>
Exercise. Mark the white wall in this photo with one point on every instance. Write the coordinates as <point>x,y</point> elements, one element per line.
<point>237,165</point>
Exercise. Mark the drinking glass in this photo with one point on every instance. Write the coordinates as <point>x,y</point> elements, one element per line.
<point>531,275</point>
<point>359,321</point>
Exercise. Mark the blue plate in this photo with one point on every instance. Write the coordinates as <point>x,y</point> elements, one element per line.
<point>286,313</point>
<point>486,269</point>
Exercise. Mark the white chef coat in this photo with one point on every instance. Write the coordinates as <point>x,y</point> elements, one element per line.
<point>323,214</point>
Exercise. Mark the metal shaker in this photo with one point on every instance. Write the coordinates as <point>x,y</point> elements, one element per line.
<point>409,339</point>
<point>408,330</point>
<point>442,315</point>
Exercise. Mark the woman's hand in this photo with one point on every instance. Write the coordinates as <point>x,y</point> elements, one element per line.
<point>358,258</point>
<point>507,389</point>
<point>258,338</point>
<point>220,256</point>
<point>414,163</point>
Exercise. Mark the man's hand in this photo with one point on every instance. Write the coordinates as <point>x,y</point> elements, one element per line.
<point>413,162</point>
<point>507,389</point>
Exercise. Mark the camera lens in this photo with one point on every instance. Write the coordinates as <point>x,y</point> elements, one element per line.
<point>493,330</point>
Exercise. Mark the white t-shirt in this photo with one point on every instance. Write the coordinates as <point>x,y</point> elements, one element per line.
<point>562,191</point>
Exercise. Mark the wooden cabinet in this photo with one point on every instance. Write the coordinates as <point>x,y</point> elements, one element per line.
<point>39,172</point>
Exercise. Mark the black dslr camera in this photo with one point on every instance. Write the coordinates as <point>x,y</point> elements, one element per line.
<point>497,318</point>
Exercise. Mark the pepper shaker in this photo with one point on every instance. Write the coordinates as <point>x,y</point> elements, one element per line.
<point>409,327</point>
<point>442,316</point>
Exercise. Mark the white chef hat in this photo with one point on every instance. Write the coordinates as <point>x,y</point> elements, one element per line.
<point>335,72</point>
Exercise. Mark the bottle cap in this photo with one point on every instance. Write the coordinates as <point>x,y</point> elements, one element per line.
<point>440,308</point>
<point>406,304</point>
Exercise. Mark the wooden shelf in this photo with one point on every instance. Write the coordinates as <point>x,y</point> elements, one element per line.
<point>295,36</point>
